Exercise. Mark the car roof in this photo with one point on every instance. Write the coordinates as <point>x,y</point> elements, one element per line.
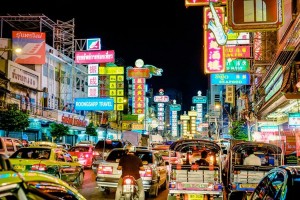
<point>184,145</point>
<point>239,147</point>
<point>43,144</point>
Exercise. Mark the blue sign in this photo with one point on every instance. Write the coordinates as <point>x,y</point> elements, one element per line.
<point>94,104</point>
<point>199,99</point>
<point>230,79</point>
<point>175,107</point>
<point>93,44</point>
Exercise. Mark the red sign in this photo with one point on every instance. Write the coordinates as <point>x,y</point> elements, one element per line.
<point>138,73</point>
<point>214,60</point>
<point>237,51</point>
<point>71,121</point>
<point>33,47</point>
<point>161,99</point>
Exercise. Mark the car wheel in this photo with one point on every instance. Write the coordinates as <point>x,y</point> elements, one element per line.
<point>80,178</point>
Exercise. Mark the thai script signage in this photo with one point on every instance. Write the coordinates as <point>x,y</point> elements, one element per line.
<point>89,57</point>
<point>161,99</point>
<point>230,79</point>
<point>94,104</point>
<point>201,2</point>
<point>22,75</point>
<point>33,47</point>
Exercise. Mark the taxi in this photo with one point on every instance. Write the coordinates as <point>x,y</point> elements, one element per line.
<point>33,185</point>
<point>49,158</point>
<point>84,153</point>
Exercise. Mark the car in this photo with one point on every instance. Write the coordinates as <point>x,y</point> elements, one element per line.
<point>282,183</point>
<point>102,149</point>
<point>154,177</point>
<point>33,185</point>
<point>9,145</point>
<point>84,153</point>
<point>47,157</point>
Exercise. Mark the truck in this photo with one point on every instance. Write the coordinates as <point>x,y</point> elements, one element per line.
<point>190,181</point>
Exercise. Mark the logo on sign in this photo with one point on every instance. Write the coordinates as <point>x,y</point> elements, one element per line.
<point>93,44</point>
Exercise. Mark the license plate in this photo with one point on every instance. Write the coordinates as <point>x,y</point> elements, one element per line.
<point>19,167</point>
<point>194,196</point>
<point>128,188</point>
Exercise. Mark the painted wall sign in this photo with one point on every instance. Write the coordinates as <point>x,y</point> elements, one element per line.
<point>89,57</point>
<point>230,79</point>
<point>94,104</point>
<point>255,15</point>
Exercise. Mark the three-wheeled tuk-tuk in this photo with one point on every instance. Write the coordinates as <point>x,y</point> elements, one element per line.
<point>190,180</point>
<point>238,176</point>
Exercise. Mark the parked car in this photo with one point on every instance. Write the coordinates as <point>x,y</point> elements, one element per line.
<point>154,177</point>
<point>282,183</point>
<point>49,159</point>
<point>33,185</point>
<point>9,145</point>
<point>84,153</point>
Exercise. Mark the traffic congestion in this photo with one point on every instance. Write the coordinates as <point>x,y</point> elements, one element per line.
<point>193,169</point>
<point>82,119</point>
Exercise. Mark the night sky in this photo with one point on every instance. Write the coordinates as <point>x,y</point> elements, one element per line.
<point>163,33</point>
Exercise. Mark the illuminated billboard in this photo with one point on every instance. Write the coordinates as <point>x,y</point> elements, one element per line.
<point>255,15</point>
<point>230,79</point>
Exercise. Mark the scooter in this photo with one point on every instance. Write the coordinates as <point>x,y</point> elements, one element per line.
<point>129,188</point>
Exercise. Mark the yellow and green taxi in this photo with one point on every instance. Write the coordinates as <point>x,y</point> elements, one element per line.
<point>50,159</point>
<point>35,185</point>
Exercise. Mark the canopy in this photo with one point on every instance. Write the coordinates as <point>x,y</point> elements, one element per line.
<point>185,145</point>
<point>259,146</point>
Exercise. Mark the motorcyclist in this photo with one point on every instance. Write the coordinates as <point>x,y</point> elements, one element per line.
<point>130,164</point>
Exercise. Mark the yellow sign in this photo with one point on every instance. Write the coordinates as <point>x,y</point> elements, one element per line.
<point>194,196</point>
<point>111,70</point>
<point>120,107</point>
<point>137,127</point>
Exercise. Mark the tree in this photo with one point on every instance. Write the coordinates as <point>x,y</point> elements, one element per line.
<point>13,120</point>
<point>91,129</point>
<point>58,130</point>
<point>238,130</point>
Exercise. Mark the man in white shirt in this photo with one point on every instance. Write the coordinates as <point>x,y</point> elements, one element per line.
<point>252,159</point>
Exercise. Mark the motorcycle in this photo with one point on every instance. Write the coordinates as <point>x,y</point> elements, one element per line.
<point>129,188</point>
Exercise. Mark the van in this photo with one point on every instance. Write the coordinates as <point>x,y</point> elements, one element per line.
<point>9,145</point>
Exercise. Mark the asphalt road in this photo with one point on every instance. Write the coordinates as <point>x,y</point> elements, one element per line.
<point>91,192</point>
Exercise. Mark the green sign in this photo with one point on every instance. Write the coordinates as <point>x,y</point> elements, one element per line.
<point>175,107</point>
<point>237,65</point>
<point>130,117</point>
<point>199,99</point>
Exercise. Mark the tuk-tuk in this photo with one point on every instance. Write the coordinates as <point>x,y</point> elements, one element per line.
<point>188,179</point>
<point>240,177</point>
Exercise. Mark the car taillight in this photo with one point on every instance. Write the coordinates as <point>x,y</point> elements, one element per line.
<point>86,155</point>
<point>39,167</point>
<point>148,173</point>
<point>95,153</point>
<point>105,169</point>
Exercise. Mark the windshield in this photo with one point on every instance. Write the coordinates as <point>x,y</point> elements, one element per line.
<point>117,154</point>
<point>109,144</point>
<point>79,149</point>
<point>32,153</point>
